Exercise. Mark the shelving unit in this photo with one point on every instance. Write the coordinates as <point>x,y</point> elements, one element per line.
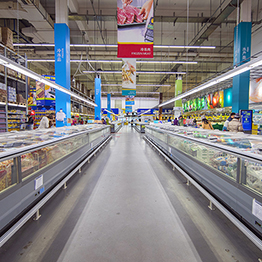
<point>13,91</point>
<point>16,116</point>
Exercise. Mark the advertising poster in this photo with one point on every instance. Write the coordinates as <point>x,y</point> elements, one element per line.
<point>215,100</point>
<point>129,109</point>
<point>49,92</point>
<point>255,91</point>
<point>32,96</point>
<point>40,93</point>
<point>228,97</point>
<point>129,77</point>
<point>246,119</point>
<point>135,24</point>
<point>130,100</point>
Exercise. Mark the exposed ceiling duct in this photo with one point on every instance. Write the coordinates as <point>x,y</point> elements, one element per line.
<point>35,14</point>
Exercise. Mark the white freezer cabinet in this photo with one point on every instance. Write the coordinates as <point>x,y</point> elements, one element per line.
<point>31,163</point>
<point>116,126</point>
<point>229,165</point>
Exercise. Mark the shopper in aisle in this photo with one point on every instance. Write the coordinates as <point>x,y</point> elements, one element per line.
<point>235,125</point>
<point>176,122</point>
<point>30,122</point>
<point>225,127</point>
<point>103,121</point>
<point>205,123</point>
<point>73,121</point>
<point>44,123</point>
<point>181,121</point>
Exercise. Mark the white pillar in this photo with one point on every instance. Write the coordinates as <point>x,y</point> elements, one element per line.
<point>61,11</point>
<point>245,11</point>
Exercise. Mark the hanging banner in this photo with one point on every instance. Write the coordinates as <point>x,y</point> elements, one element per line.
<point>135,23</point>
<point>40,93</point>
<point>49,92</point>
<point>129,77</point>
<point>32,96</point>
<point>255,91</point>
<point>129,109</point>
<point>130,100</point>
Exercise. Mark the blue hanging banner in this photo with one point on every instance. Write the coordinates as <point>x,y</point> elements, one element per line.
<point>109,106</point>
<point>62,71</point>
<point>242,50</point>
<point>98,98</point>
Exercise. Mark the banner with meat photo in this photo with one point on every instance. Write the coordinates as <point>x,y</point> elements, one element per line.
<point>129,77</point>
<point>135,23</point>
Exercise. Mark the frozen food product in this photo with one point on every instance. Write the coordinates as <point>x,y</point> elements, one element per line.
<point>129,15</point>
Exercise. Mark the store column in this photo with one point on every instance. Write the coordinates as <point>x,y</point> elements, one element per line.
<point>160,108</point>
<point>109,106</point>
<point>178,91</point>
<point>242,45</point>
<point>62,62</point>
<point>98,97</point>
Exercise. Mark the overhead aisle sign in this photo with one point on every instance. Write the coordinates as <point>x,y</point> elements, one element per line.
<point>129,77</point>
<point>135,23</point>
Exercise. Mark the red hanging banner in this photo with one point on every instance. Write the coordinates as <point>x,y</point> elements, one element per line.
<point>135,22</point>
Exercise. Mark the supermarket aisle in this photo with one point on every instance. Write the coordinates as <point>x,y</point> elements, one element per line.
<point>129,217</point>
<point>128,205</point>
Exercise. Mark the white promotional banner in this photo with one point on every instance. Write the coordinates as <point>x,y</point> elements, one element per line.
<point>129,77</point>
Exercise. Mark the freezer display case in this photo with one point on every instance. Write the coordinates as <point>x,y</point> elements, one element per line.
<point>228,164</point>
<point>40,155</point>
<point>116,126</point>
<point>140,126</point>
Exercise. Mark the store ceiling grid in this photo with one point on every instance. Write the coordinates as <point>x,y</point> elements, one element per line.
<point>174,25</point>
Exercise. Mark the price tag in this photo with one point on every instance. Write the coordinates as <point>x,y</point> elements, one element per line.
<point>39,182</point>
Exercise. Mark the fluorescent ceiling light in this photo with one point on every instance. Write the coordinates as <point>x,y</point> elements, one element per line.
<point>115,46</point>
<point>114,61</point>
<point>138,72</point>
<point>152,85</point>
<point>25,71</point>
<point>234,72</point>
<point>138,92</point>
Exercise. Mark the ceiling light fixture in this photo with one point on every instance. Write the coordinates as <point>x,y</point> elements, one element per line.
<point>234,72</point>
<point>138,72</point>
<point>148,85</point>
<point>25,71</point>
<point>115,46</point>
<point>113,61</point>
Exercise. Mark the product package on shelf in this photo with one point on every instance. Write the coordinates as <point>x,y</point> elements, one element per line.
<point>11,94</point>
<point>5,174</point>
<point>2,119</point>
<point>16,117</point>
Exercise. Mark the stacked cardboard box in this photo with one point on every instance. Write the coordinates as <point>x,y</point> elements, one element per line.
<point>7,37</point>
<point>20,99</point>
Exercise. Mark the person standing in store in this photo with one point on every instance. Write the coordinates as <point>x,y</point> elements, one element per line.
<point>180,121</point>
<point>176,122</point>
<point>44,123</point>
<point>206,124</point>
<point>225,127</point>
<point>235,125</point>
<point>30,122</point>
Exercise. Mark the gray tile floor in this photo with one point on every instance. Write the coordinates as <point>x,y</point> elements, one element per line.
<point>128,205</point>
